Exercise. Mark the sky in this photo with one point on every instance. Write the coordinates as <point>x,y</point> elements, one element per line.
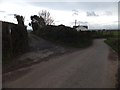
<point>96,14</point>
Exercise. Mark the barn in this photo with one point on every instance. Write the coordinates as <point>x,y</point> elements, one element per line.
<point>81,28</point>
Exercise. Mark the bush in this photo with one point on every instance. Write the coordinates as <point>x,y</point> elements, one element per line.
<point>65,35</point>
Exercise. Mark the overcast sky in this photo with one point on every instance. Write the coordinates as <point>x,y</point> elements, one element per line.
<point>94,14</point>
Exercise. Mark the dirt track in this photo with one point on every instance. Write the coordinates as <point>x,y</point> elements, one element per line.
<point>88,68</point>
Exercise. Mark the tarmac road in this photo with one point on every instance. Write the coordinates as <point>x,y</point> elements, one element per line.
<point>86,68</point>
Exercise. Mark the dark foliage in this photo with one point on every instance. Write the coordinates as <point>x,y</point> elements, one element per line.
<point>37,22</point>
<point>14,40</point>
<point>20,19</point>
<point>64,35</point>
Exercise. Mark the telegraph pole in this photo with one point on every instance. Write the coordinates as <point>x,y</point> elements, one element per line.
<point>75,22</point>
<point>75,13</point>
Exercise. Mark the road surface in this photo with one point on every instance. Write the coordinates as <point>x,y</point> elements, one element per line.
<point>87,68</point>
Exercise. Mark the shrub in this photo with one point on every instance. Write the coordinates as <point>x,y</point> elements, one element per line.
<point>65,35</point>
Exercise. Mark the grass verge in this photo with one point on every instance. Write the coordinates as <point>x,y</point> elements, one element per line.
<point>114,44</point>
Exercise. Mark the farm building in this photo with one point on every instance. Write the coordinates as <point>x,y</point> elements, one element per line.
<point>81,28</point>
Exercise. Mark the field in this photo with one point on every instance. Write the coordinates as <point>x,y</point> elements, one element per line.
<point>114,40</point>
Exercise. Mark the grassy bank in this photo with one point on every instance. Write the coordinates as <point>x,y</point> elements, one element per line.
<point>114,43</point>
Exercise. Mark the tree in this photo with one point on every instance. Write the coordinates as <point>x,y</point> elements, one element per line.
<point>20,19</point>
<point>37,22</point>
<point>46,16</point>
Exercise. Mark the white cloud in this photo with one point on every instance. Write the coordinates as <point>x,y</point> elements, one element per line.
<point>60,16</point>
<point>92,13</point>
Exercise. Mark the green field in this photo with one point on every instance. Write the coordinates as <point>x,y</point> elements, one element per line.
<point>114,41</point>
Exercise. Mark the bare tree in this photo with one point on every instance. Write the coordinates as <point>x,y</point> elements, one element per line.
<point>46,16</point>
